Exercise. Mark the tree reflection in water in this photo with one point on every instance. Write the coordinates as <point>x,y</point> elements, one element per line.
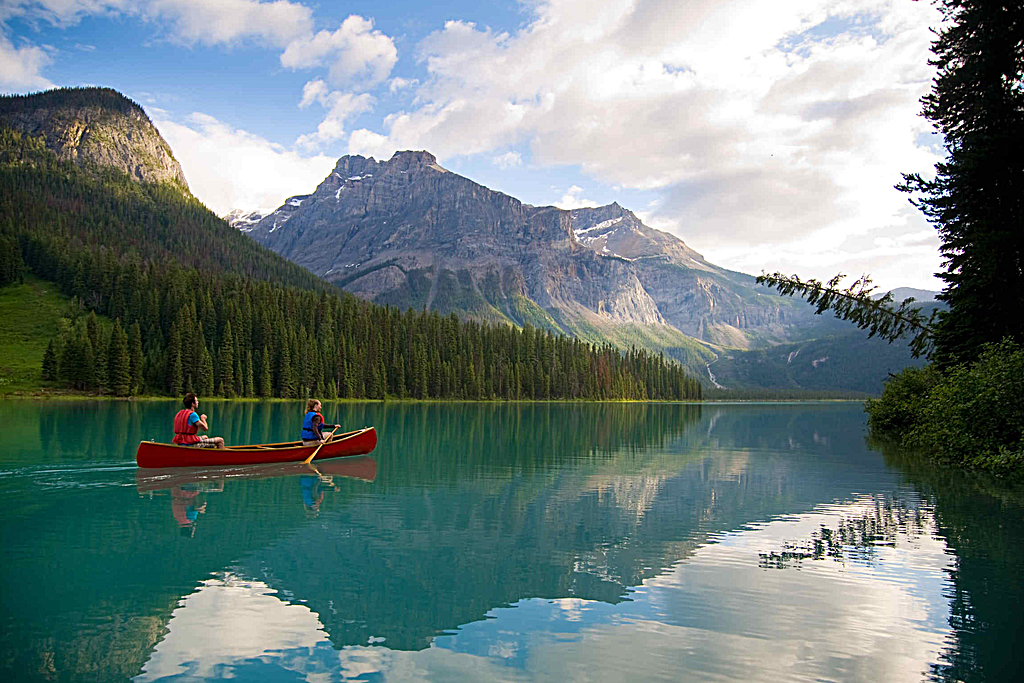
<point>875,522</point>
<point>981,519</point>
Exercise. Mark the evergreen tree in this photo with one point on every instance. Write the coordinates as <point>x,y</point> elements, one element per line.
<point>226,364</point>
<point>72,358</point>
<point>976,199</point>
<point>285,380</point>
<point>51,361</point>
<point>248,388</point>
<point>119,361</point>
<point>135,357</point>
<point>86,373</point>
<point>175,372</point>
<point>400,390</point>
<point>204,371</point>
<point>266,386</point>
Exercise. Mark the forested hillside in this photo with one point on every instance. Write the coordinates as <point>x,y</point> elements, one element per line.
<point>198,306</point>
<point>847,362</point>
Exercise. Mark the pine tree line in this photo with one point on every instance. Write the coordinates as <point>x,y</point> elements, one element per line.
<point>238,321</point>
<point>227,336</point>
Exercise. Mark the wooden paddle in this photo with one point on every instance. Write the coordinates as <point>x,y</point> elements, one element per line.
<point>313,454</point>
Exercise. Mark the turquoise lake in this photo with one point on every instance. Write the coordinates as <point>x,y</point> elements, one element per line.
<point>496,542</point>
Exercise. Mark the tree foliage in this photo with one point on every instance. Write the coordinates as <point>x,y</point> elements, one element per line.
<point>976,199</point>
<point>969,415</point>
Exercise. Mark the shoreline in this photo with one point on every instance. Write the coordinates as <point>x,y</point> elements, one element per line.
<point>55,396</point>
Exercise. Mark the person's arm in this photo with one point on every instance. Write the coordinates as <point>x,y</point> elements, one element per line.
<point>199,421</point>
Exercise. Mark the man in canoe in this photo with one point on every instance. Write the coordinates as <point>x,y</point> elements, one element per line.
<point>313,424</point>
<point>187,424</point>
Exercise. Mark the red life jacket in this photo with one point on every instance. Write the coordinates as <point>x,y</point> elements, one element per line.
<point>184,433</point>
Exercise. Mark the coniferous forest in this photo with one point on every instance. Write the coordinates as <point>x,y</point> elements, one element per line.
<point>197,306</point>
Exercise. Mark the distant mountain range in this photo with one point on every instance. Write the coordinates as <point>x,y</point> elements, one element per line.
<point>408,232</point>
<point>901,293</point>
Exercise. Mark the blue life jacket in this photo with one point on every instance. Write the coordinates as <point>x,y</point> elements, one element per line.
<point>309,432</point>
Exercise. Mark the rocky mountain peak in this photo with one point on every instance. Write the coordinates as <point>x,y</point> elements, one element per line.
<point>410,160</point>
<point>95,126</point>
<point>408,233</point>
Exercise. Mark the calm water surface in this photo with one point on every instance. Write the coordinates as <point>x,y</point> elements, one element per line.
<point>509,543</point>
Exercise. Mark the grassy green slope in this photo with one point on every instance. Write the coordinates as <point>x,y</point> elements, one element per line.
<point>31,313</point>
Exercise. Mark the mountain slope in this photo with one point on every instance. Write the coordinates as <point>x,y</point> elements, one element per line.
<point>700,299</point>
<point>408,232</point>
<point>197,306</point>
<point>92,205</point>
<point>95,126</point>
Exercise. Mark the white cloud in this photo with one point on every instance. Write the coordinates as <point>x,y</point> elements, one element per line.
<point>354,54</point>
<point>211,22</point>
<point>397,83</point>
<point>228,168</point>
<point>572,199</point>
<point>757,123</point>
<point>508,160</point>
<point>20,68</point>
<point>314,91</point>
<point>217,22</point>
<point>340,106</point>
<point>370,144</point>
<point>60,12</point>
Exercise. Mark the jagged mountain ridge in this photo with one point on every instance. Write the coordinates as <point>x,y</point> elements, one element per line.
<point>244,220</point>
<point>410,233</point>
<point>95,126</point>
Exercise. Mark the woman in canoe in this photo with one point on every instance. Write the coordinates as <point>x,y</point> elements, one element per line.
<point>187,424</point>
<point>313,424</point>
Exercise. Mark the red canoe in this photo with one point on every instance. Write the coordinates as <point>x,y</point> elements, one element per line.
<point>153,454</point>
<point>363,468</point>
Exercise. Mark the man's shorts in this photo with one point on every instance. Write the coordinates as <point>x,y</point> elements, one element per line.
<point>204,442</point>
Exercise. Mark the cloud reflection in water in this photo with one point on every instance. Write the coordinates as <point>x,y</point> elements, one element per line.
<point>873,609</point>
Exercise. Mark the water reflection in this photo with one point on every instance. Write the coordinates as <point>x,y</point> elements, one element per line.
<point>187,486</point>
<point>186,508</point>
<point>613,542</point>
<point>981,520</point>
<point>874,523</point>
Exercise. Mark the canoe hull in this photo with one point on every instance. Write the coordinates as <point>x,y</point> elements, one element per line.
<point>152,454</point>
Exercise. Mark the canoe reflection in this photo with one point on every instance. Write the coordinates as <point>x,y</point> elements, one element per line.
<point>364,468</point>
<point>188,486</point>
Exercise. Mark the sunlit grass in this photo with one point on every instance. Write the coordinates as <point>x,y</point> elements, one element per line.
<point>29,313</point>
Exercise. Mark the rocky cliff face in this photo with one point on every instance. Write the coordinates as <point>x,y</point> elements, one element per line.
<point>408,232</point>
<point>699,298</point>
<point>95,126</point>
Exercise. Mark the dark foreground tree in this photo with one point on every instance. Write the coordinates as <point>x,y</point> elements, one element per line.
<point>976,200</point>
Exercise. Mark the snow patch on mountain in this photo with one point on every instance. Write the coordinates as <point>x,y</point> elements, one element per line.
<point>243,219</point>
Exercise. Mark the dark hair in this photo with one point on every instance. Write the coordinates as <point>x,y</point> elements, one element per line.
<point>189,399</point>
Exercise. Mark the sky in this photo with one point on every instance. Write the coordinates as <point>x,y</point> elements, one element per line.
<point>767,135</point>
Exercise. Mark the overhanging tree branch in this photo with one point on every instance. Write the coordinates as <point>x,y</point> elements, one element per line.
<point>877,316</point>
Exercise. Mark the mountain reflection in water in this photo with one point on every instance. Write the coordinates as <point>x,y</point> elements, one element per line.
<point>611,542</point>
